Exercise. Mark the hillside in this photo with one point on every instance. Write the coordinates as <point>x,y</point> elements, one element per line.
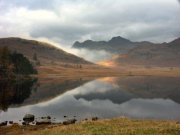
<point>46,58</point>
<point>161,55</point>
<point>45,52</point>
<point>115,45</point>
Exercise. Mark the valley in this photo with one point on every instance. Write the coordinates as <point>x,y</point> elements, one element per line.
<point>150,59</point>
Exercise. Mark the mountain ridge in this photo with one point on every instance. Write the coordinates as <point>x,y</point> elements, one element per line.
<point>164,54</point>
<point>115,45</point>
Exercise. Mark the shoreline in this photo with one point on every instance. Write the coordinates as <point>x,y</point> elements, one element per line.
<point>121,125</point>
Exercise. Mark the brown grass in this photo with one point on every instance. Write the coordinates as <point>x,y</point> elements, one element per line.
<point>96,70</point>
<point>116,126</point>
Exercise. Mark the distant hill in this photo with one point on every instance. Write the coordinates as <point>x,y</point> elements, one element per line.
<point>116,45</point>
<point>165,54</point>
<point>45,53</point>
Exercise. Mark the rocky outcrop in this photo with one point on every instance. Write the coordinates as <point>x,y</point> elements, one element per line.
<point>69,121</point>
<point>43,120</point>
<point>10,122</point>
<point>3,123</point>
<point>94,118</point>
<point>28,117</point>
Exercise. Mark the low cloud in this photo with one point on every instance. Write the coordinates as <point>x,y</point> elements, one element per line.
<point>93,56</point>
<point>90,55</point>
<point>61,23</point>
<point>69,21</point>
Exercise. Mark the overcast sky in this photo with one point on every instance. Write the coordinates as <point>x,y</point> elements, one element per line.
<point>63,22</point>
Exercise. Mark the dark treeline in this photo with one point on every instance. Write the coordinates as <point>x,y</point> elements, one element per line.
<point>13,64</point>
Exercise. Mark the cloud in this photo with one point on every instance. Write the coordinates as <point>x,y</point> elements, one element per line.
<point>91,55</point>
<point>64,22</point>
<point>134,20</point>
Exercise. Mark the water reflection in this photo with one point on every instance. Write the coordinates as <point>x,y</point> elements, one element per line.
<point>48,88</point>
<point>134,97</point>
<point>148,87</point>
<point>13,92</point>
<point>106,92</point>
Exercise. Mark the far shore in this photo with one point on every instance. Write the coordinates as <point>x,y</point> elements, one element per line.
<point>44,71</point>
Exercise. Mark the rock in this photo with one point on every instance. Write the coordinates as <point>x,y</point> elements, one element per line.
<point>3,123</point>
<point>94,118</point>
<point>56,123</point>
<point>69,121</point>
<point>43,121</point>
<point>10,122</point>
<point>48,117</point>
<point>28,117</point>
<point>85,119</point>
<point>25,123</point>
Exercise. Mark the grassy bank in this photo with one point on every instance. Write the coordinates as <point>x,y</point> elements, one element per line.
<point>101,127</point>
<point>96,71</point>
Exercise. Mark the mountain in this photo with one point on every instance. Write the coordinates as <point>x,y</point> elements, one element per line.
<point>165,54</point>
<point>115,45</point>
<point>43,52</point>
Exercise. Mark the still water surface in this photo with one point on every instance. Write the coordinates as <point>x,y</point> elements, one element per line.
<point>110,97</point>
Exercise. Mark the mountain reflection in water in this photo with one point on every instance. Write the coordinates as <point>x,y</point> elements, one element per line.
<point>134,97</point>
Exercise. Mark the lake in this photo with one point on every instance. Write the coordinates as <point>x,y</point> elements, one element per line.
<point>106,97</point>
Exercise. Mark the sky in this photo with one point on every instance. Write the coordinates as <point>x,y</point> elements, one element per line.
<point>62,22</point>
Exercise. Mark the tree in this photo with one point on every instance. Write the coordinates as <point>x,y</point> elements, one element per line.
<point>14,64</point>
<point>35,57</point>
<point>38,63</point>
<point>5,61</point>
<point>22,64</point>
<point>5,57</point>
